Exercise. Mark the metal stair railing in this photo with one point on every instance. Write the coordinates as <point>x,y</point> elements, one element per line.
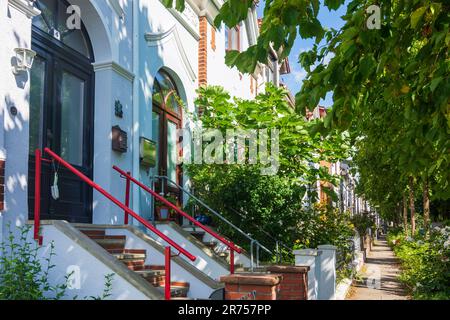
<point>232,247</point>
<point>127,210</point>
<point>278,243</point>
<point>253,242</point>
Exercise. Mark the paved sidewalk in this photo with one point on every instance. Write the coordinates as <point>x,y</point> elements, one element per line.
<point>379,278</point>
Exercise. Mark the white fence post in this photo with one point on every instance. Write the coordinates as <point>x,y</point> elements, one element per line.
<point>307,257</point>
<point>327,277</point>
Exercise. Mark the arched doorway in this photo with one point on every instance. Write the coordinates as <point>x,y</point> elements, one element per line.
<point>62,110</point>
<point>167,120</point>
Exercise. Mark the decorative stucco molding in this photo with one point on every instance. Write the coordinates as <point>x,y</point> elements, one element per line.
<point>188,18</point>
<point>117,8</point>
<point>26,7</point>
<point>156,39</point>
<point>114,66</point>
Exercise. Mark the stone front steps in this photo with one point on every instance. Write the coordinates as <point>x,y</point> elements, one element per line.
<point>134,259</point>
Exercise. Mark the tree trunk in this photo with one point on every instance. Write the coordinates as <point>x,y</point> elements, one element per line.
<point>426,204</point>
<point>411,206</point>
<point>405,215</point>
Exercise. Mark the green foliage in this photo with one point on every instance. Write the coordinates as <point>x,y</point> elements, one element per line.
<point>390,86</point>
<point>272,201</point>
<point>22,275</point>
<point>363,222</point>
<point>322,224</point>
<point>106,290</point>
<point>299,146</point>
<point>391,91</point>
<point>425,263</point>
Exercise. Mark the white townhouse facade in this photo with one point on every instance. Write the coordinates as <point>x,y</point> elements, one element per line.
<point>115,75</point>
<point>105,83</point>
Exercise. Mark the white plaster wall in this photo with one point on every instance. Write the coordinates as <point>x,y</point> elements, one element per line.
<point>204,263</point>
<point>70,256</point>
<point>197,289</point>
<point>14,91</point>
<point>219,73</point>
<point>112,40</point>
<point>165,53</point>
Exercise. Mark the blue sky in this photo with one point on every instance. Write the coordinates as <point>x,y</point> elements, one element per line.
<point>294,80</point>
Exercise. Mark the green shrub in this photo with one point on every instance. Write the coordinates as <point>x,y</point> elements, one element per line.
<point>425,263</point>
<point>323,224</point>
<point>23,276</point>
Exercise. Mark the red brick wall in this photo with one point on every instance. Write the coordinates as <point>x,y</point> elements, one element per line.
<point>2,185</point>
<point>294,284</point>
<point>251,286</point>
<point>203,52</point>
<point>213,38</point>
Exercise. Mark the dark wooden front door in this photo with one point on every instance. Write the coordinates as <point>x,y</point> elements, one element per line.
<point>61,118</point>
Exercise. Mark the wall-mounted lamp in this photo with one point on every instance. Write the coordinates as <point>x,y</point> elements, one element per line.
<point>24,60</point>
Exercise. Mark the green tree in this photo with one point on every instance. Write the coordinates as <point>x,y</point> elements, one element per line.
<point>394,79</point>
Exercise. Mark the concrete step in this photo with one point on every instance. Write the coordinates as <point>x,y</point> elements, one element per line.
<point>155,280</point>
<point>210,244</point>
<point>176,291</point>
<point>223,254</point>
<point>141,267</point>
<point>135,265</point>
<point>130,257</point>
<point>146,273</point>
<point>125,251</point>
<point>198,234</point>
<point>242,269</point>
<point>93,232</point>
<point>111,242</point>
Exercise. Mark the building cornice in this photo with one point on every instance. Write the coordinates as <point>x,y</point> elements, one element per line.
<point>114,66</point>
<point>26,7</point>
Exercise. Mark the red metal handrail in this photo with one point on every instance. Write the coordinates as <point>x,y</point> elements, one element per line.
<point>230,245</point>
<point>178,210</point>
<point>109,197</point>
<point>37,196</point>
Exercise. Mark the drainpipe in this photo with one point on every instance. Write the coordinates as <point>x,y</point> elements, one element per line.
<point>135,128</point>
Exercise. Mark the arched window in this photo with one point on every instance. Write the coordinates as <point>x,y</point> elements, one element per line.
<point>165,93</point>
<point>166,120</point>
<point>53,20</point>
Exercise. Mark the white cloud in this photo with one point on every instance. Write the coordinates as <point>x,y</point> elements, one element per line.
<point>299,75</point>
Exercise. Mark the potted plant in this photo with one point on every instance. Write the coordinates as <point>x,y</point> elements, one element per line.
<point>164,212</point>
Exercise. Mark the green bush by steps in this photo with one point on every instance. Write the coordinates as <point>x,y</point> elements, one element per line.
<point>425,262</point>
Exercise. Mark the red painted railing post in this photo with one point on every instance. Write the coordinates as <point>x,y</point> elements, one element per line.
<point>231,261</point>
<point>167,293</point>
<point>37,196</point>
<point>127,197</point>
<point>178,210</point>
